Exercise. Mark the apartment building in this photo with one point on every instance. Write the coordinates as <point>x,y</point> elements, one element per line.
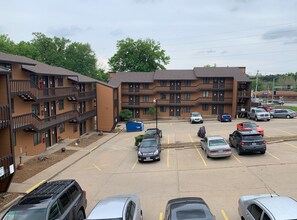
<point>176,93</point>
<point>40,105</point>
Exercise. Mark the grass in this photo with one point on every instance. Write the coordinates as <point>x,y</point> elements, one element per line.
<point>294,108</point>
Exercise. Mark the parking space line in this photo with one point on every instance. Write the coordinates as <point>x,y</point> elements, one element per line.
<point>200,155</point>
<point>161,216</point>
<point>134,164</point>
<point>224,215</point>
<point>167,157</point>
<point>35,186</point>
<point>236,159</point>
<point>96,167</point>
<point>191,138</point>
<point>290,145</point>
<point>273,155</point>
<point>168,139</point>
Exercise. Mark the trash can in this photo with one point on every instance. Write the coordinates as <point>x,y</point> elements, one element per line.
<point>134,126</point>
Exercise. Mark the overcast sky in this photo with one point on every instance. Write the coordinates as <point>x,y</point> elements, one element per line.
<point>258,34</point>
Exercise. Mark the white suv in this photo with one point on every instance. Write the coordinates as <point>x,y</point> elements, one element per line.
<point>258,114</point>
<point>196,117</point>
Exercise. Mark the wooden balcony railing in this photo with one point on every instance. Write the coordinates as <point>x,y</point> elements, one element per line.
<point>4,116</point>
<point>86,95</point>
<point>85,115</point>
<point>32,121</point>
<point>210,100</point>
<point>6,162</point>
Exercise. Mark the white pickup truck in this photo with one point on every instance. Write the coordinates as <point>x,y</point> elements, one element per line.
<point>258,114</point>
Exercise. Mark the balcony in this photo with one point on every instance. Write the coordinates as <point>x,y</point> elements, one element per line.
<point>137,105</point>
<point>209,100</point>
<point>4,116</point>
<point>86,95</point>
<point>226,86</point>
<point>28,91</point>
<point>6,162</point>
<point>83,116</point>
<point>31,122</point>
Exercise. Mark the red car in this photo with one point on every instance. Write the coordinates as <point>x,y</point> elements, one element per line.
<point>250,126</point>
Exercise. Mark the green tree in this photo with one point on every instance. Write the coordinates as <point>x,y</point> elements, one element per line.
<point>6,45</point>
<point>125,114</point>
<point>138,56</point>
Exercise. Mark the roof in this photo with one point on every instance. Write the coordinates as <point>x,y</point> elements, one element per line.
<point>248,132</point>
<point>133,77</point>
<point>10,58</point>
<point>232,72</point>
<point>174,75</point>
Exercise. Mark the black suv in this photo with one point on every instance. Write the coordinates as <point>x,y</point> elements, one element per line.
<point>61,199</point>
<point>247,141</point>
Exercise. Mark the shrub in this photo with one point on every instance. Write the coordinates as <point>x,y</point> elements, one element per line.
<point>125,114</point>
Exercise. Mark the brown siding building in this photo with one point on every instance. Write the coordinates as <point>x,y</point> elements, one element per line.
<point>208,90</point>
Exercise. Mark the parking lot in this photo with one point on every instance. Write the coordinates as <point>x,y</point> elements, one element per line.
<point>186,171</point>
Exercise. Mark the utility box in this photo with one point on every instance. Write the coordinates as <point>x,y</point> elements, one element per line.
<point>134,126</point>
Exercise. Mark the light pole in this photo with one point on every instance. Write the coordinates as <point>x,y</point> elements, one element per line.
<point>272,96</point>
<point>156,106</point>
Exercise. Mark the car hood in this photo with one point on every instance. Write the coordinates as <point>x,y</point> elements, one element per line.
<point>148,149</point>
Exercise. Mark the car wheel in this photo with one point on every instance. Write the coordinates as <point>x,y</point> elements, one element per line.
<point>141,216</point>
<point>263,152</point>
<point>271,116</point>
<point>230,143</point>
<point>80,215</point>
<point>248,117</point>
<point>288,116</point>
<point>256,119</point>
<point>268,119</point>
<point>239,150</point>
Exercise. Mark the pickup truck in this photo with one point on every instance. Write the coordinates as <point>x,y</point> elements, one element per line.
<point>258,114</point>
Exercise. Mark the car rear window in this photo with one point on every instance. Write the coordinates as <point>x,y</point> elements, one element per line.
<point>190,211</point>
<point>253,138</point>
<point>217,142</point>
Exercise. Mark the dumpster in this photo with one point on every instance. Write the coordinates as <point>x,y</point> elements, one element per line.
<point>134,126</point>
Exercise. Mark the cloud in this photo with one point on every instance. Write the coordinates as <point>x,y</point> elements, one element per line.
<point>116,32</point>
<point>65,31</point>
<point>147,1</point>
<point>234,9</point>
<point>280,33</point>
<point>294,41</point>
<point>208,51</point>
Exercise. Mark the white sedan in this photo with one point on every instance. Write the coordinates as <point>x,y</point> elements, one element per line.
<point>215,146</point>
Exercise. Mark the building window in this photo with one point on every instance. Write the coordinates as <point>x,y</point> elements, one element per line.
<point>205,80</point>
<point>36,109</point>
<point>187,83</point>
<point>162,109</point>
<point>162,96</point>
<point>60,80</point>
<point>61,104</point>
<point>187,96</point>
<point>62,127</point>
<point>37,138</point>
<point>205,107</point>
<point>34,79</point>
<point>146,98</point>
<point>145,111</point>
<point>12,105</point>
<point>187,109</point>
<point>145,85</point>
<point>205,93</point>
<point>163,83</point>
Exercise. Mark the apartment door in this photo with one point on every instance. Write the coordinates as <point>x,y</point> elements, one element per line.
<point>177,111</point>
<point>178,85</point>
<point>214,95</point>
<point>47,138</point>
<point>137,87</point>
<point>137,102</point>
<point>171,111</point>
<point>221,96</point>
<point>53,109</point>
<point>46,111</point>
<point>172,85</point>
<point>178,98</point>
<point>130,100</point>
<point>171,99</point>
<point>82,127</point>
<point>220,109</point>
<point>52,85</point>
<point>215,82</point>
<point>214,109</point>
<point>45,85</point>
<point>54,135</point>
<point>137,113</point>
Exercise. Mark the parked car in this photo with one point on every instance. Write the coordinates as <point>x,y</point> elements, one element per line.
<point>277,102</point>
<point>246,126</point>
<point>187,208</point>
<point>215,146</point>
<point>267,207</point>
<point>247,141</point>
<point>61,199</point>
<point>149,149</point>
<point>124,207</point>
<point>258,114</point>
<point>282,113</point>
<point>196,117</point>
<point>154,131</point>
<point>224,117</point>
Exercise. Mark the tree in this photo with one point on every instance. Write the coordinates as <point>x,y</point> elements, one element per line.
<point>138,56</point>
<point>125,114</point>
<point>6,45</point>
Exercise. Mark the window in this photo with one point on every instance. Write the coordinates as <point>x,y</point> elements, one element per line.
<point>163,83</point>
<point>187,83</point>
<point>145,98</point>
<point>6,66</point>
<point>36,109</point>
<point>62,127</point>
<point>162,96</point>
<point>187,96</point>
<point>205,93</point>
<point>162,108</point>
<point>73,192</point>
<point>187,109</point>
<point>255,211</point>
<point>145,111</point>
<point>266,217</point>
<point>54,212</point>
<point>205,107</point>
<point>65,200</point>
<point>205,80</point>
<point>60,80</point>
<point>61,104</point>
<point>145,85</point>
<point>34,79</point>
<point>37,138</point>
<point>130,211</point>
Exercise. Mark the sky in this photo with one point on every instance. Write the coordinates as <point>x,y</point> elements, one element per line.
<point>260,35</point>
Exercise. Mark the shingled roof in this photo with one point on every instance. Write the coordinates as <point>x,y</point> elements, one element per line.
<point>133,77</point>
<point>232,72</point>
<point>9,58</point>
<point>174,75</point>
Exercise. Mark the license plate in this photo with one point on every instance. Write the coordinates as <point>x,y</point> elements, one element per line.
<point>221,151</point>
<point>254,144</point>
<point>147,158</point>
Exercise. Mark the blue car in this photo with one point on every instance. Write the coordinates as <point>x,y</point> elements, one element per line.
<point>224,117</point>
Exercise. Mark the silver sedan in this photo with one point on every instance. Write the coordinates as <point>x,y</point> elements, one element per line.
<point>215,146</point>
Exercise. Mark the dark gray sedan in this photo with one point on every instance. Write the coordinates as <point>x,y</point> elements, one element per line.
<point>282,113</point>
<point>149,149</point>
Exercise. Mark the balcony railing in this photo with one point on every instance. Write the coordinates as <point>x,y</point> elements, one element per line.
<point>4,116</point>
<point>6,162</point>
<point>226,86</point>
<point>217,101</point>
<point>85,115</point>
<point>32,121</point>
<point>86,95</point>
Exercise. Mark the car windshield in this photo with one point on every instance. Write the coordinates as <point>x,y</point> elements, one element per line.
<point>190,211</point>
<point>217,142</point>
<point>253,138</point>
<point>151,131</point>
<point>148,143</point>
<point>28,214</point>
<point>260,110</point>
<point>249,125</point>
<point>195,114</point>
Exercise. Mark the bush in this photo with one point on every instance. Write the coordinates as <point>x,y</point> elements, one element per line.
<point>139,138</point>
<point>125,115</point>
